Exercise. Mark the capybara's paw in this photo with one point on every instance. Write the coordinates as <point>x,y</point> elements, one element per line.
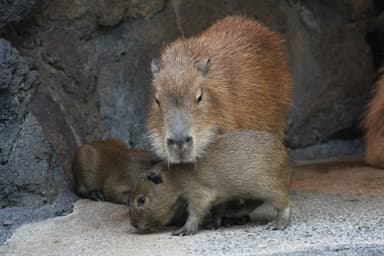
<point>233,221</point>
<point>213,224</point>
<point>96,195</point>
<point>281,221</point>
<point>186,230</point>
<point>277,225</point>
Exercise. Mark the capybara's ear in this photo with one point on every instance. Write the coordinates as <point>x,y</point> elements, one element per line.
<point>155,66</point>
<point>154,177</point>
<point>203,66</point>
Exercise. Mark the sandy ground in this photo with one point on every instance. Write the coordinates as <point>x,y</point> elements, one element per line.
<point>337,210</point>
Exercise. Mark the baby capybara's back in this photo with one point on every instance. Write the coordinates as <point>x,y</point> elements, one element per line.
<point>94,161</point>
<point>245,159</point>
<point>374,125</point>
<point>107,170</point>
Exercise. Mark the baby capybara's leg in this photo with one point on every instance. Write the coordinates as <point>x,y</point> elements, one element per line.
<point>282,203</point>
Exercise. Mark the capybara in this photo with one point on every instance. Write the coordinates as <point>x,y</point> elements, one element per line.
<point>107,170</point>
<point>373,124</point>
<point>232,76</point>
<point>244,164</point>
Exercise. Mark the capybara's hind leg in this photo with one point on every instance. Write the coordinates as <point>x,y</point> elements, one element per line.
<point>96,195</point>
<point>283,207</point>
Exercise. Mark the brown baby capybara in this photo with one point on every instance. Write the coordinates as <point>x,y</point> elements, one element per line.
<point>373,125</point>
<point>244,164</point>
<point>107,170</point>
<point>232,76</point>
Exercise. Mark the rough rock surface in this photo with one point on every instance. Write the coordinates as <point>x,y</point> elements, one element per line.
<point>332,68</point>
<point>15,11</point>
<point>31,180</point>
<point>17,84</point>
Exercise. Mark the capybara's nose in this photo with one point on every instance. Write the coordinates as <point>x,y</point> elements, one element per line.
<point>180,141</point>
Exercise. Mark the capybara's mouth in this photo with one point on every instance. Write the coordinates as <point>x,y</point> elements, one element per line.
<point>181,159</point>
<point>143,229</point>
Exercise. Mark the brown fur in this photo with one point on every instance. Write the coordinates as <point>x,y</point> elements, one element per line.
<point>373,124</point>
<point>247,85</point>
<point>250,165</point>
<point>107,170</point>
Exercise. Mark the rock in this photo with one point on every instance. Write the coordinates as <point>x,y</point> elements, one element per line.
<point>31,175</point>
<point>88,15</point>
<point>375,38</point>
<point>12,12</point>
<point>101,83</point>
<point>110,12</point>
<point>124,76</point>
<point>69,73</point>
<point>145,8</point>
<point>17,83</point>
<point>56,128</point>
<point>27,178</point>
<point>332,68</point>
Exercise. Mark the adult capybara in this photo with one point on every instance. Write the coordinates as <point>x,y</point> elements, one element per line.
<point>248,165</point>
<point>107,170</point>
<point>232,76</point>
<point>373,125</point>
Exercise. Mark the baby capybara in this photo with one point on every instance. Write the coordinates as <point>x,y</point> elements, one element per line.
<point>240,165</point>
<point>107,170</point>
<point>373,125</point>
<point>232,76</point>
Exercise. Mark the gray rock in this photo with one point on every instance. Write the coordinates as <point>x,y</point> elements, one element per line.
<point>89,15</point>
<point>32,184</point>
<point>17,84</point>
<point>12,12</point>
<point>56,129</point>
<point>123,81</point>
<point>145,8</point>
<point>31,181</point>
<point>329,149</point>
<point>27,178</point>
<point>375,38</point>
<point>332,68</point>
<point>13,217</point>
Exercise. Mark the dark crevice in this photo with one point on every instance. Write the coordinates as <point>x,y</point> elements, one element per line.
<point>349,133</point>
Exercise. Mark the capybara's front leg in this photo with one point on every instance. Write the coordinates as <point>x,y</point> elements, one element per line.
<point>197,210</point>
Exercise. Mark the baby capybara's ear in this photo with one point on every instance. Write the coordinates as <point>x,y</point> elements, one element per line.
<point>155,66</point>
<point>155,160</point>
<point>154,177</point>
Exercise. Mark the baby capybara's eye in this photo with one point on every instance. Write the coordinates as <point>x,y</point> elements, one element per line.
<point>140,201</point>
<point>157,101</point>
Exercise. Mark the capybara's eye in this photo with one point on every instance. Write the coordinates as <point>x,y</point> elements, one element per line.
<point>140,201</point>
<point>199,98</point>
<point>157,101</point>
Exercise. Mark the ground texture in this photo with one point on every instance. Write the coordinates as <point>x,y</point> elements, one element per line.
<point>338,210</point>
